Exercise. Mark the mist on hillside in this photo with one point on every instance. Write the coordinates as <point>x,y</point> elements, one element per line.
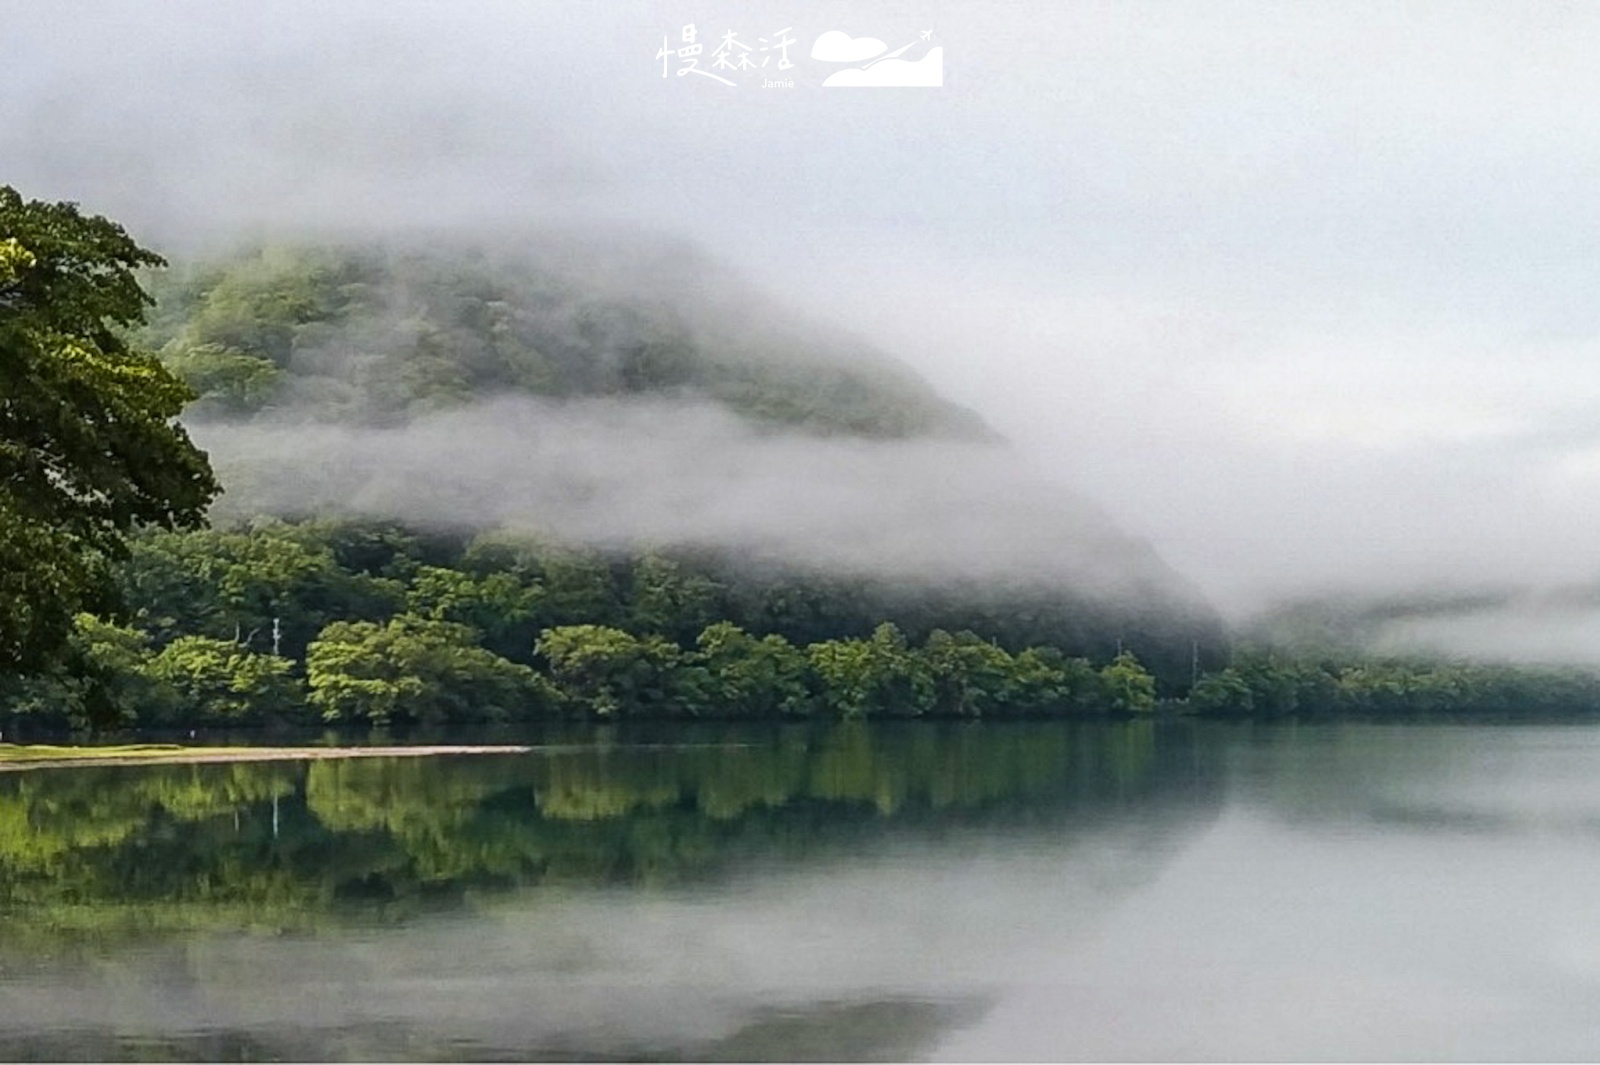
<point>527,383</point>
<point>1300,297</point>
<point>629,473</point>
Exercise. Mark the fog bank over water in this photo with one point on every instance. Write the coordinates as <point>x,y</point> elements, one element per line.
<point>1299,294</point>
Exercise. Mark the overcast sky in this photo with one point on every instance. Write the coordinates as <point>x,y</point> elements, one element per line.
<point>1302,293</point>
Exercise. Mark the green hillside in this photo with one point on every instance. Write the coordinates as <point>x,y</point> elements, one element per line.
<point>374,335</point>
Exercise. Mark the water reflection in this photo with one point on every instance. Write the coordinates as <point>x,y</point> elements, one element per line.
<point>889,1030</point>
<point>1367,893</point>
<point>1020,891</point>
<point>277,844</point>
<point>1478,780</point>
<point>1025,891</point>
<point>856,892</point>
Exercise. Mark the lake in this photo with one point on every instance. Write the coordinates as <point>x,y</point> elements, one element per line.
<point>1141,890</point>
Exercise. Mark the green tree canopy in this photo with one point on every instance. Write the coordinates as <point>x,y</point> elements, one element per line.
<point>216,681</point>
<point>417,669</point>
<point>608,671</point>
<point>1128,687</point>
<point>749,676</point>
<point>89,445</point>
<point>880,675</point>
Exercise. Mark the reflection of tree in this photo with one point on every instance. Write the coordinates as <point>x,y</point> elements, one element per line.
<point>281,845</point>
<point>857,1031</point>
<point>888,1030</point>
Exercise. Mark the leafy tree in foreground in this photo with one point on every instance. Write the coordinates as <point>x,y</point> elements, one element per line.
<point>89,445</point>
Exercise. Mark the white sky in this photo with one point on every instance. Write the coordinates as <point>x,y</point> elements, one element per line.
<point>1302,293</point>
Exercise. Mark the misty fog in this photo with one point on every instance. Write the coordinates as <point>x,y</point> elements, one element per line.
<point>1298,295</point>
<point>662,473</point>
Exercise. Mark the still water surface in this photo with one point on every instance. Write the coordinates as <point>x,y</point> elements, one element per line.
<point>1003,891</point>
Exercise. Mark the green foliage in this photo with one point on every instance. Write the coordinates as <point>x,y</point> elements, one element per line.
<point>577,585</point>
<point>1222,694</point>
<point>828,398</point>
<point>232,585</point>
<point>972,676</point>
<point>225,379</point>
<point>259,305</point>
<point>1129,688</point>
<point>417,669</point>
<point>876,676</point>
<point>500,606</point>
<point>367,546</point>
<point>1049,682</point>
<point>113,677</point>
<point>88,443</point>
<point>215,682</point>
<point>102,680</point>
<point>494,593</point>
<point>1273,686</point>
<point>607,671</point>
<point>740,675</point>
<point>414,628</point>
<point>111,671</point>
<point>667,598</point>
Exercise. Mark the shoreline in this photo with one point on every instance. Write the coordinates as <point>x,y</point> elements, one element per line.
<point>16,758</point>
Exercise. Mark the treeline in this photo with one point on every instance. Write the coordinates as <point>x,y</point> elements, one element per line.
<point>414,669</point>
<point>367,623</point>
<point>1264,685</point>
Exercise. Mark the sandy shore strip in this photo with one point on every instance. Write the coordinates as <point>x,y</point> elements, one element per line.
<point>16,758</point>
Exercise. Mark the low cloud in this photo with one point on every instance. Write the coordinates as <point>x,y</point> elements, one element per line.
<point>623,474</point>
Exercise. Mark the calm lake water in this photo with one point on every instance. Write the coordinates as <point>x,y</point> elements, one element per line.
<point>1003,891</point>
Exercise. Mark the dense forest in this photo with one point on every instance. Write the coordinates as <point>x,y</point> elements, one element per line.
<point>367,623</point>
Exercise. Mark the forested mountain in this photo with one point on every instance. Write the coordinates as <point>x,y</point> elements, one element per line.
<point>595,478</point>
<point>376,334</point>
<point>629,394</point>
